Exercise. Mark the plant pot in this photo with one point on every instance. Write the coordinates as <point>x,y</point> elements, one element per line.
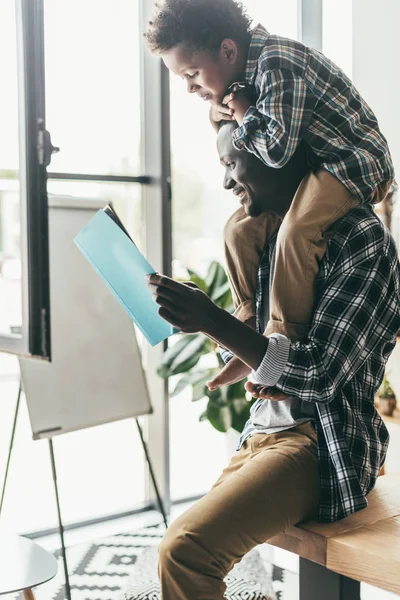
<point>386,406</point>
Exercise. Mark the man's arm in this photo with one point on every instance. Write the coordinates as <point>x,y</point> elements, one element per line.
<point>274,129</point>
<point>189,309</point>
<point>358,311</point>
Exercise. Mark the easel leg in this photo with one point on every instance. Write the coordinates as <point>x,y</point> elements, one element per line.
<point>29,595</point>
<point>11,445</point>
<point>60,523</point>
<point>153,479</point>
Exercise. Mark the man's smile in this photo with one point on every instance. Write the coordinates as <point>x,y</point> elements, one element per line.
<point>239,192</point>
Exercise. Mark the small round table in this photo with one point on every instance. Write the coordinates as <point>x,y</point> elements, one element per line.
<point>23,565</point>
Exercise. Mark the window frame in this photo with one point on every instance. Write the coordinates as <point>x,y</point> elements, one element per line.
<point>34,337</point>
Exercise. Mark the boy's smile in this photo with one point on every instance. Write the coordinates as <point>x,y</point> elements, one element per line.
<point>206,74</point>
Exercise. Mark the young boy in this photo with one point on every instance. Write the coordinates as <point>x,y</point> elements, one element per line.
<point>280,92</point>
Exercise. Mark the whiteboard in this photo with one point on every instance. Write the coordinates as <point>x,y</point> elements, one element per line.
<point>96,374</point>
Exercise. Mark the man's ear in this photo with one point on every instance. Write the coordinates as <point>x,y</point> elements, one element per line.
<point>229,51</point>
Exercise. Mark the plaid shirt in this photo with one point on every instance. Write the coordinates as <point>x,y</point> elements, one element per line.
<point>302,95</point>
<point>341,364</point>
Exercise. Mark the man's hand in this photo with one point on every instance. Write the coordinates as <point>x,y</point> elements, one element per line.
<point>184,305</point>
<point>265,392</point>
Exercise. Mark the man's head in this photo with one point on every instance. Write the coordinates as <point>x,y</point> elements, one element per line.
<point>259,188</point>
<point>204,42</point>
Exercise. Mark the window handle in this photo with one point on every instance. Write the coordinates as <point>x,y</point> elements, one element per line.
<point>45,147</point>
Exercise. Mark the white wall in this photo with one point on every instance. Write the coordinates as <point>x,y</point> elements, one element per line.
<point>376,64</point>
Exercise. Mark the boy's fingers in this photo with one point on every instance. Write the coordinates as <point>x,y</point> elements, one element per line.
<point>224,110</point>
<point>228,98</point>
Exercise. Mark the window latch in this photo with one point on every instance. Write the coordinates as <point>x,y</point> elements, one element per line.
<point>44,146</point>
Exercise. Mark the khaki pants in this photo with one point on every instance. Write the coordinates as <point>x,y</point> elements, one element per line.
<point>271,484</point>
<point>319,202</point>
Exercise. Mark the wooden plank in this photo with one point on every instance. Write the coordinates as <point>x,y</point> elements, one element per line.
<point>310,540</point>
<point>383,503</point>
<point>303,543</point>
<point>371,554</point>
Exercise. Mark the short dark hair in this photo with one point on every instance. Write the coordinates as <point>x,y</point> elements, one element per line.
<point>197,24</point>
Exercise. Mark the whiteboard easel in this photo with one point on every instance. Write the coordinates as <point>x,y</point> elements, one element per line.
<point>96,374</point>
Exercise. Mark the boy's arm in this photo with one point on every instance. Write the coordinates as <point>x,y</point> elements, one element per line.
<point>273,128</point>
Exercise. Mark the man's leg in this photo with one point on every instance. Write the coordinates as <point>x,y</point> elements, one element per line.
<point>271,484</point>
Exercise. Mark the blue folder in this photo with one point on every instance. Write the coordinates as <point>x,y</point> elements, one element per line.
<point>117,260</point>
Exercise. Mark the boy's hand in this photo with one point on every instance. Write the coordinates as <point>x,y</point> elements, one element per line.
<point>235,370</point>
<point>220,112</point>
<point>238,100</point>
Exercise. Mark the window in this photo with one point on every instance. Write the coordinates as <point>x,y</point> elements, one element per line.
<point>24,299</point>
<point>337,17</point>
<point>95,115</point>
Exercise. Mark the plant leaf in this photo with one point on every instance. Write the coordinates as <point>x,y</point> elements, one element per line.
<point>236,390</point>
<point>192,378</point>
<point>199,391</point>
<point>199,281</point>
<point>215,396</point>
<point>219,416</point>
<point>203,416</point>
<point>240,412</point>
<point>216,277</point>
<point>191,348</point>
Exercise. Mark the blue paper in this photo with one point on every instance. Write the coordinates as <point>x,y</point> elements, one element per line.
<point>122,266</point>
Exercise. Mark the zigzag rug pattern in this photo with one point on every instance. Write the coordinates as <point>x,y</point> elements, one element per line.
<point>101,570</point>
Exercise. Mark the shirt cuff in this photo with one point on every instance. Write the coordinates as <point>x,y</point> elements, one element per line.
<point>274,361</point>
<point>242,135</point>
<point>226,355</point>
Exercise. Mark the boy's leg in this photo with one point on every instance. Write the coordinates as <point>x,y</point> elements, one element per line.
<point>244,239</point>
<point>271,484</point>
<point>320,201</point>
<point>381,192</point>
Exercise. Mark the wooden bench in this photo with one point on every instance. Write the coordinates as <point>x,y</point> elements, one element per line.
<point>335,557</point>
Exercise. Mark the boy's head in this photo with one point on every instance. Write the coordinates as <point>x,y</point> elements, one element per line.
<point>257,187</point>
<point>204,42</point>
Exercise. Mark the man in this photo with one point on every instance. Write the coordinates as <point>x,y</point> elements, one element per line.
<point>318,452</point>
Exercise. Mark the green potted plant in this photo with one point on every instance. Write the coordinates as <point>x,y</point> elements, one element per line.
<point>386,398</point>
<point>195,358</point>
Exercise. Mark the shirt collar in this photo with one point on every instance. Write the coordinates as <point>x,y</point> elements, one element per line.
<point>259,38</point>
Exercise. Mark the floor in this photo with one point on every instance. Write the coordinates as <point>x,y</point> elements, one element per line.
<point>282,560</point>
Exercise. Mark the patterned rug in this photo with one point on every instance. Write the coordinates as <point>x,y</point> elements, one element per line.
<point>103,570</point>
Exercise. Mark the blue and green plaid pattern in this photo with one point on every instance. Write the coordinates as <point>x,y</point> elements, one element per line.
<point>302,95</point>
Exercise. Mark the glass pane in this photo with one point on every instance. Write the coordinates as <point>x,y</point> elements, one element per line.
<point>93,85</point>
<point>10,221</point>
<point>126,199</point>
<point>200,209</point>
<point>277,17</point>
<point>337,16</point>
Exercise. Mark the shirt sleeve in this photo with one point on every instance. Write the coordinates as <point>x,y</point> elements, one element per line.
<point>274,361</point>
<point>357,312</point>
<point>273,128</point>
